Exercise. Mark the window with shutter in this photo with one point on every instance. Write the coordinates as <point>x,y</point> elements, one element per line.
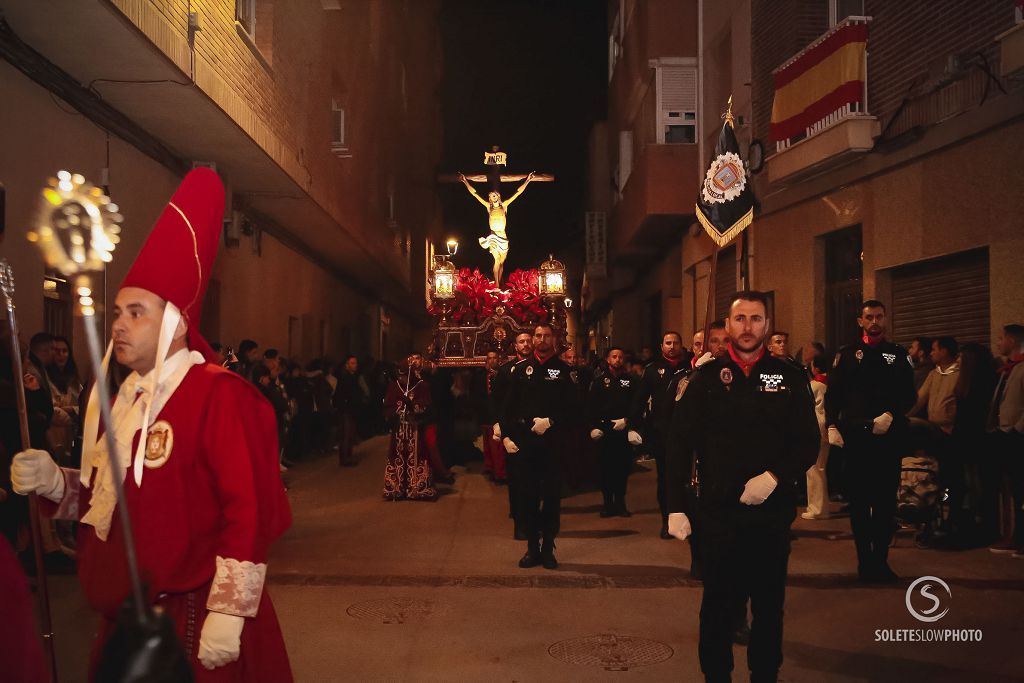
<point>625,157</point>
<point>943,296</point>
<point>677,104</point>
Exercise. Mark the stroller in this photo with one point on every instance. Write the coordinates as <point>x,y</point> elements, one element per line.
<point>920,499</point>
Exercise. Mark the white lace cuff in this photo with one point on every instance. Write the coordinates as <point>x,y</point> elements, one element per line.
<point>237,587</point>
<point>67,505</point>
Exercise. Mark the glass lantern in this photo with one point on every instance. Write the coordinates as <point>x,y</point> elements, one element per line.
<point>552,278</point>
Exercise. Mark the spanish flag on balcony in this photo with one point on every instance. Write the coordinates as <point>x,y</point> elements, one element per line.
<point>725,201</point>
<point>824,78</point>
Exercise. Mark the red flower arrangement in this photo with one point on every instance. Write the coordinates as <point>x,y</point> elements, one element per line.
<point>478,298</point>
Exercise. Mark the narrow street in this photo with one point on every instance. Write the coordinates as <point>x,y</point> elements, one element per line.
<point>374,591</point>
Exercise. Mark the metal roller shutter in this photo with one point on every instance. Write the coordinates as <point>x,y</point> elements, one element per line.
<point>943,296</point>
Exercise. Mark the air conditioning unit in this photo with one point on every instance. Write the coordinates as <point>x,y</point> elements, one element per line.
<point>233,226</point>
<point>212,165</point>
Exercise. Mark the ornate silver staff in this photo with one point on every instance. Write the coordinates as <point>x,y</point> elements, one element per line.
<point>78,229</point>
<point>7,285</point>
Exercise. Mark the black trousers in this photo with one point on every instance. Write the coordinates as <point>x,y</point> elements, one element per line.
<point>873,479</point>
<point>513,472</point>
<point>616,461</point>
<point>746,556</point>
<point>657,444</point>
<point>540,489</point>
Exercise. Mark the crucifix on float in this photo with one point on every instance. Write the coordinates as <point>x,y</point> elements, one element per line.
<point>497,242</point>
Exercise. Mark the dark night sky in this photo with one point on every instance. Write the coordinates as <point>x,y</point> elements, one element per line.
<point>531,77</point>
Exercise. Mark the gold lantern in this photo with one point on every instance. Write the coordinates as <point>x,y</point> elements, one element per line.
<point>444,281</point>
<point>552,278</point>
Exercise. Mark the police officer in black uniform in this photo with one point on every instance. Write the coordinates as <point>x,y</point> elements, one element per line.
<point>655,400</point>
<point>496,400</point>
<point>609,406</point>
<point>870,390</point>
<point>540,400</point>
<point>749,418</point>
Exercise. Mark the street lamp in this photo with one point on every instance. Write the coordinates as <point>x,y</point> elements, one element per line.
<point>453,246</point>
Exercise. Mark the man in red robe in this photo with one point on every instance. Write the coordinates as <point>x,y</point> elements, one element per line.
<point>202,487</point>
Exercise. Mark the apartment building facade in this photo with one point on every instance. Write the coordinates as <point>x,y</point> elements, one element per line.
<point>319,115</point>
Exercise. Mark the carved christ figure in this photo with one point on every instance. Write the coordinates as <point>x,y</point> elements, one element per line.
<point>497,241</point>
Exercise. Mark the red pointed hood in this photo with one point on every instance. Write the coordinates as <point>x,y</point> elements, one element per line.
<point>176,261</point>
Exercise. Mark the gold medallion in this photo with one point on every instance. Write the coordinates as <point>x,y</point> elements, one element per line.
<point>159,443</point>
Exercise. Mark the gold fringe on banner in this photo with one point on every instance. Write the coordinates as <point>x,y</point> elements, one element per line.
<point>722,239</point>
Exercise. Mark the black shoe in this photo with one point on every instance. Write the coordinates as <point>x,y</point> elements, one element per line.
<point>531,559</point>
<point>547,559</point>
<point>664,532</point>
<point>884,574</point>
<point>622,511</point>
<point>741,636</point>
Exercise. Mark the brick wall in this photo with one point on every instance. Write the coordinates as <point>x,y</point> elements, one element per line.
<point>907,42</point>
<point>773,41</point>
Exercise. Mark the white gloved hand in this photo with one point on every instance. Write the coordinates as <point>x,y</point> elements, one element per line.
<point>540,425</point>
<point>758,489</point>
<point>634,438</point>
<point>596,434</point>
<point>880,425</point>
<point>835,438</point>
<point>34,471</point>
<point>496,432</point>
<point>619,425</point>
<point>679,525</point>
<point>221,639</point>
<point>510,445</point>
<point>703,359</point>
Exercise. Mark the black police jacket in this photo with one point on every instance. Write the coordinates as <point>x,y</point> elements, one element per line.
<point>657,394</point>
<point>867,381</point>
<point>611,398</point>
<point>538,389</point>
<point>740,426</point>
<point>500,384</point>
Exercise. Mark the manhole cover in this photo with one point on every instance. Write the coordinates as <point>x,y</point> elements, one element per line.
<point>393,610</point>
<point>611,652</point>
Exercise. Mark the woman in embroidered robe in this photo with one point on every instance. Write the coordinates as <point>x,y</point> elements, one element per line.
<point>406,407</point>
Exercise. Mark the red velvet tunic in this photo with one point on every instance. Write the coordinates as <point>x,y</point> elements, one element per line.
<point>218,493</point>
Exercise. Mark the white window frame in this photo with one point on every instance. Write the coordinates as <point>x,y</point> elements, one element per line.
<point>339,145</point>
<point>665,117</point>
<point>245,16</point>
<point>833,12</point>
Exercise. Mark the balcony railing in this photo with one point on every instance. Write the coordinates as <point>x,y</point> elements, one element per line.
<point>842,54</point>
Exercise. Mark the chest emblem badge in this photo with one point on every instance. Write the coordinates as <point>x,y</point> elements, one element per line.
<point>159,444</point>
<point>553,373</point>
<point>661,372</point>
<point>726,376</point>
<point>607,381</point>
<point>529,370</point>
<point>890,358</point>
<point>859,355</point>
<point>624,382</point>
<point>771,383</point>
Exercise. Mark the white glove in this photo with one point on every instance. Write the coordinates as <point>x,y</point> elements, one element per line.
<point>34,471</point>
<point>221,639</point>
<point>634,438</point>
<point>596,434</point>
<point>496,432</point>
<point>510,445</point>
<point>758,489</point>
<point>703,359</point>
<point>835,438</point>
<point>679,525</point>
<point>540,425</point>
<point>619,425</point>
<point>880,425</point>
